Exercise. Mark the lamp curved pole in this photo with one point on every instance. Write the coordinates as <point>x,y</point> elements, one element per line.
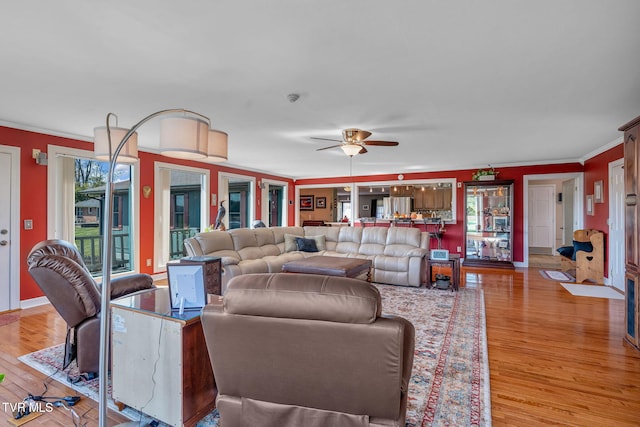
<point>105,312</point>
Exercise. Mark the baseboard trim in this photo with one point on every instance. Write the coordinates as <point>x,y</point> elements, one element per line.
<point>34,302</point>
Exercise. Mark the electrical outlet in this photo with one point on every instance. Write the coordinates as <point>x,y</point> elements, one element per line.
<point>459,248</point>
<point>148,262</point>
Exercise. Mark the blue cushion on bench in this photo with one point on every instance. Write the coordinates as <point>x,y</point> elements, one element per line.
<point>566,251</point>
<point>581,246</point>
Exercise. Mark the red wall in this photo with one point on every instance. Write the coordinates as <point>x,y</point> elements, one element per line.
<point>595,169</point>
<point>33,195</point>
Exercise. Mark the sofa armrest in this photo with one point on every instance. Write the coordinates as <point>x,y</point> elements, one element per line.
<point>229,260</point>
<point>125,285</point>
<point>417,252</point>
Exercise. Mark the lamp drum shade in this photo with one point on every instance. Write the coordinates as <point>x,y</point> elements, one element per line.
<point>184,137</point>
<point>217,151</point>
<point>129,152</point>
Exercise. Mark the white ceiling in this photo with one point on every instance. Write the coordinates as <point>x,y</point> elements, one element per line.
<point>460,84</point>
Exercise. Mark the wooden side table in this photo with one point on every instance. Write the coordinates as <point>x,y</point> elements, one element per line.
<point>160,362</point>
<point>212,272</point>
<point>453,263</point>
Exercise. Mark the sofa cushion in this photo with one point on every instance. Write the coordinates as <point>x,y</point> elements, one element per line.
<point>373,241</point>
<point>253,266</point>
<point>349,240</point>
<point>215,241</point>
<point>331,235</point>
<point>275,263</point>
<point>290,244</point>
<point>306,245</point>
<point>266,241</point>
<point>391,263</point>
<point>403,236</point>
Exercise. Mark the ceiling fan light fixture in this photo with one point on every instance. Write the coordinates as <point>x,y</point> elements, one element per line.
<point>351,149</point>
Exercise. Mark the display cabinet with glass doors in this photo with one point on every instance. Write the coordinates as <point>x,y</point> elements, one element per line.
<point>488,223</point>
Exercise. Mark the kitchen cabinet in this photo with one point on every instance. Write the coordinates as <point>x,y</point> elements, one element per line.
<point>432,198</point>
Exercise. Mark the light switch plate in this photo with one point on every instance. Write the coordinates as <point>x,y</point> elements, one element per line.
<point>28,224</point>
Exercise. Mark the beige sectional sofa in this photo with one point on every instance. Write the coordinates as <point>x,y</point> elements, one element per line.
<point>397,253</point>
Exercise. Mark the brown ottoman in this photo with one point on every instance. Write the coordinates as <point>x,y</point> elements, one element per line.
<point>330,266</point>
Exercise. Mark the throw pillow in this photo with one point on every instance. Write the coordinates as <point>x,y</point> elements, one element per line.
<point>581,246</point>
<point>290,243</point>
<point>306,245</point>
<point>566,251</point>
<point>320,242</point>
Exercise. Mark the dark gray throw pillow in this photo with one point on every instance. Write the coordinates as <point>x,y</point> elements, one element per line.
<point>306,245</point>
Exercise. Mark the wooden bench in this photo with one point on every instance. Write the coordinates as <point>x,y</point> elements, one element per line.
<point>587,265</point>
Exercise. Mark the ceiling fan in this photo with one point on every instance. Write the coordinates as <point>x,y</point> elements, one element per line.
<point>353,142</point>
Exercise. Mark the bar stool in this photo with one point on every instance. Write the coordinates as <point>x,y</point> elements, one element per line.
<point>433,226</point>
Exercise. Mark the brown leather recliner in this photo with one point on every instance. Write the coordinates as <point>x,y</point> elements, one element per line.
<point>307,350</point>
<point>58,269</point>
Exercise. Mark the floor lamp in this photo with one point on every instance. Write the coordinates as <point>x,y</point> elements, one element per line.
<point>183,134</point>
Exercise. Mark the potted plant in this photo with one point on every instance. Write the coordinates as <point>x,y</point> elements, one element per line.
<point>485,174</point>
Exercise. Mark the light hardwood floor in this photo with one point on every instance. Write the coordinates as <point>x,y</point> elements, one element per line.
<point>555,359</point>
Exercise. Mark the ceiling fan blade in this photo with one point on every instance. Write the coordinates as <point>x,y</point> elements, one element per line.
<point>381,143</point>
<point>325,139</point>
<point>364,150</point>
<point>326,148</point>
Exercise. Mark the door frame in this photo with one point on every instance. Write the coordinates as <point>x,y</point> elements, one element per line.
<point>578,208</point>
<point>162,185</point>
<point>223,194</point>
<point>14,224</point>
<point>608,280</point>
<point>264,196</point>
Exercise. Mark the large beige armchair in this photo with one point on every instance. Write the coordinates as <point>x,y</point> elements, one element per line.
<point>307,350</point>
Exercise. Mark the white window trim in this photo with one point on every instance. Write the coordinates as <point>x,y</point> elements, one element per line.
<point>162,207</point>
<point>56,200</point>
<point>223,190</point>
<point>264,196</point>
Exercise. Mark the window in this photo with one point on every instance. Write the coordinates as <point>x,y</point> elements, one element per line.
<point>238,205</point>
<point>181,205</point>
<point>237,192</point>
<point>76,200</point>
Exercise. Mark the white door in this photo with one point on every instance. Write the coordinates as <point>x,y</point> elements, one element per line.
<point>542,216</point>
<point>9,291</point>
<point>616,225</point>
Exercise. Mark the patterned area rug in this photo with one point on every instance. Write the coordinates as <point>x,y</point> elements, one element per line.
<point>450,378</point>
